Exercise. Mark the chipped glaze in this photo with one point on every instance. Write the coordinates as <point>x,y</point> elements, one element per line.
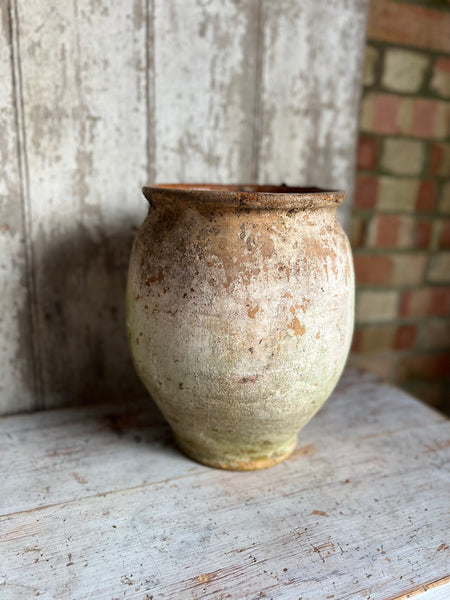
<point>240,309</point>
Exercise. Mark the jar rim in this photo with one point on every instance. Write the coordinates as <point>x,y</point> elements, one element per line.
<point>247,195</point>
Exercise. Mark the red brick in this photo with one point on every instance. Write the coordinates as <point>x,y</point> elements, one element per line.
<point>425,366</point>
<point>423,234</point>
<point>368,150</point>
<point>426,196</point>
<point>366,192</point>
<point>440,80</point>
<point>444,241</point>
<point>433,302</point>
<point>408,25</point>
<point>440,302</point>
<point>435,158</point>
<point>424,117</point>
<point>442,64</point>
<point>372,270</point>
<point>440,159</point>
<point>391,231</point>
<point>396,269</point>
<point>387,229</point>
<point>385,113</point>
<point>405,337</point>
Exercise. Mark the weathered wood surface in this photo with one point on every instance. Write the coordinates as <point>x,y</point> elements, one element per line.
<point>309,71</point>
<point>82,105</point>
<point>98,503</point>
<point>98,99</point>
<point>16,356</point>
<point>204,63</point>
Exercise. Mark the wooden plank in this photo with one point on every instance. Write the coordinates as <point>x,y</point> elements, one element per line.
<point>85,107</point>
<point>310,91</point>
<point>437,590</point>
<point>99,440</point>
<point>213,538</point>
<point>361,516</point>
<point>106,94</point>
<point>205,57</point>
<point>17,385</point>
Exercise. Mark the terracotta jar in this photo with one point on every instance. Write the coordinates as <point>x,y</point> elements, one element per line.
<point>240,315</point>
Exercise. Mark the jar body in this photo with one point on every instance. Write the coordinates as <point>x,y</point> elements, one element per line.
<point>239,321</point>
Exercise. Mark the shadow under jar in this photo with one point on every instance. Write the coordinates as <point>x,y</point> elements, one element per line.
<point>240,308</point>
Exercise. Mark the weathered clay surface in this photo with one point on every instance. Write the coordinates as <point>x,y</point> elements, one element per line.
<point>240,315</point>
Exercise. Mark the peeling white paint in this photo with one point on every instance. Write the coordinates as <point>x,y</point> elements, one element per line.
<point>110,94</point>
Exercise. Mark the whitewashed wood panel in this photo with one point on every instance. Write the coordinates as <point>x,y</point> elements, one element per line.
<point>110,95</point>
<point>310,92</point>
<point>205,56</point>
<point>84,94</point>
<point>17,384</point>
<point>359,511</point>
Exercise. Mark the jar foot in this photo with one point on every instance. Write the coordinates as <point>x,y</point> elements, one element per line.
<point>249,461</point>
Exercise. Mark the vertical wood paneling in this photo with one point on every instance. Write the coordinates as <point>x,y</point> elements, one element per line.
<point>311,69</point>
<point>205,59</point>
<point>84,74</point>
<point>99,97</point>
<point>17,385</point>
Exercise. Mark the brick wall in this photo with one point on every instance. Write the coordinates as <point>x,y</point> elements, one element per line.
<point>400,229</point>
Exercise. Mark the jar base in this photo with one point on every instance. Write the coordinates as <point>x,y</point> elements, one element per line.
<point>243,463</point>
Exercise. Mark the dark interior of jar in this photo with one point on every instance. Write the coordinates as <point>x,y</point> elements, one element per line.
<point>268,189</point>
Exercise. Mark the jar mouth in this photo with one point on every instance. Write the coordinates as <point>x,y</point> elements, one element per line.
<point>246,195</point>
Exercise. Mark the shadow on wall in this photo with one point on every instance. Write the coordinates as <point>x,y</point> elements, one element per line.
<point>81,334</point>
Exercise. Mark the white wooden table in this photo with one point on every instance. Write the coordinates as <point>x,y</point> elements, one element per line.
<point>97,503</point>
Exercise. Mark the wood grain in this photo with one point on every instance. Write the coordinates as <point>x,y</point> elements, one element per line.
<point>107,508</point>
<point>84,94</point>
<point>108,433</point>
<point>310,92</point>
<point>99,98</point>
<point>205,83</point>
<point>17,383</point>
